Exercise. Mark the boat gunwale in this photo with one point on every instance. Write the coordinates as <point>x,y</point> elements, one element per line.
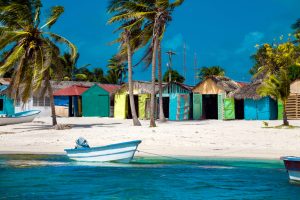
<point>29,111</point>
<point>290,158</point>
<point>91,149</point>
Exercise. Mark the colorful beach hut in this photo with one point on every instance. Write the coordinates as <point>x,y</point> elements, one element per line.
<point>177,101</point>
<point>68,101</point>
<point>255,106</point>
<point>141,91</point>
<point>6,103</point>
<point>95,102</point>
<point>293,102</point>
<point>211,99</point>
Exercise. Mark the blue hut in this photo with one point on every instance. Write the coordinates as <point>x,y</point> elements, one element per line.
<point>255,106</point>
<point>6,103</point>
<point>177,101</point>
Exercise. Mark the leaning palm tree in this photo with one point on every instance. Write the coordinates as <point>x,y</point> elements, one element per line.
<point>32,51</point>
<point>130,28</point>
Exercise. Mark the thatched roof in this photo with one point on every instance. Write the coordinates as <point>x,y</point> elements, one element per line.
<point>143,87</point>
<point>223,82</point>
<point>248,91</point>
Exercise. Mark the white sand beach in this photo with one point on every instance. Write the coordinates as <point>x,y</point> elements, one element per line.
<point>208,138</point>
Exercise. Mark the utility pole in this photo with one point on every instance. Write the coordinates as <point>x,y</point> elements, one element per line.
<point>184,61</point>
<point>196,69</point>
<point>170,53</point>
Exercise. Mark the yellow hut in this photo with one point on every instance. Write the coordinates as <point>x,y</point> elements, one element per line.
<point>141,91</point>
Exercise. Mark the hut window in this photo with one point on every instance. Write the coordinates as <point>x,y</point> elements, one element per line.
<point>1,104</point>
<point>35,101</point>
<point>47,101</point>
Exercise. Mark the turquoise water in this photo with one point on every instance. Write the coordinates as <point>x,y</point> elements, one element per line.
<point>56,177</point>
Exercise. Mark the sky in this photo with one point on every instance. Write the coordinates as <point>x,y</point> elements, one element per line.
<point>218,32</point>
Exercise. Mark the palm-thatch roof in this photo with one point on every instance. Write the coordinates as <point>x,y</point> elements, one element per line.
<point>140,87</point>
<point>226,84</point>
<point>248,91</point>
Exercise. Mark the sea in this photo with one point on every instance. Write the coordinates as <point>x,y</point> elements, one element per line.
<point>57,177</point>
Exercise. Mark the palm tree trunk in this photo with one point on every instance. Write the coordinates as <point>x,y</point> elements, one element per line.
<point>152,103</point>
<point>136,121</point>
<point>161,105</point>
<point>285,119</point>
<point>50,92</point>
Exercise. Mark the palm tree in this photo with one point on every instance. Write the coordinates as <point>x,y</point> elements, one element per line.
<point>32,52</point>
<point>277,85</point>
<point>117,70</point>
<point>211,71</point>
<point>130,28</point>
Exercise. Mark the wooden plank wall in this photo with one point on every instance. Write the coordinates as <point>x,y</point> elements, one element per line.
<point>293,106</point>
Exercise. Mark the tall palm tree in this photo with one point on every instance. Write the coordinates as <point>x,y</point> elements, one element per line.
<point>129,43</point>
<point>33,55</point>
<point>211,71</point>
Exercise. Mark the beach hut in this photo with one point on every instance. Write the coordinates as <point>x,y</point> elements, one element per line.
<point>111,89</point>
<point>255,106</point>
<point>69,100</point>
<point>95,102</point>
<point>211,99</point>
<point>6,103</point>
<point>177,101</point>
<point>293,102</point>
<point>141,91</point>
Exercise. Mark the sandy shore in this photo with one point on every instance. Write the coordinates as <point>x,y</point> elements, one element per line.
<point>211,138</point>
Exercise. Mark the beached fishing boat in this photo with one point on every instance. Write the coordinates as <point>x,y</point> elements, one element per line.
<point>292,165</point>
<point>120,152</point>
<point>21,117</point>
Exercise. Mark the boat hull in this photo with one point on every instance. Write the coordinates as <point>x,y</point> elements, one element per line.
<point>22,117</point>
<point>121,152</point>
<point>292,165</point>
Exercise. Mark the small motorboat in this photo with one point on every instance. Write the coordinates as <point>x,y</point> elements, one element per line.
<point>120,152</point>
<point>292,165</point>
<point>20,117</point>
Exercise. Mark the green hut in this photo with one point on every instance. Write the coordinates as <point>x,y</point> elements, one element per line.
<point>95,102</point>
<point>6,103</point>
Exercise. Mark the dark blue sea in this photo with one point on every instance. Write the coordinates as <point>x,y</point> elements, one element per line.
<point>56,177</point>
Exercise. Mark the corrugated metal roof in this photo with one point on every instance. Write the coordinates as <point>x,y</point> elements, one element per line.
<point>111,88</point>
<point>74,90</point>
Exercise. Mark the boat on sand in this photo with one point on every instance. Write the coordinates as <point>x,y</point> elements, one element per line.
<point>20,117</point>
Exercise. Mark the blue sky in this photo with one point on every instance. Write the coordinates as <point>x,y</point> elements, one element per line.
<point>220,32</point>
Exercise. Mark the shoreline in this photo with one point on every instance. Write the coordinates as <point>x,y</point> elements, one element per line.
<point>200,139</point>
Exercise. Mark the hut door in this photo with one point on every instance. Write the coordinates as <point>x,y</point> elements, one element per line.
<point>220,107</point>
<point>120,106</point>
<point>229,112</point>
<point>197,106</point>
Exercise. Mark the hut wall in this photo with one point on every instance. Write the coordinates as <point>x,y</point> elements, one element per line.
<point>261,109</point>
<point>295,87</point>
<point>293,106</point>
<point>120,108</point>
<point>221,106</point>
<point>280,110</point>
<point>143,105</point>
<point>95,102</point>
<point>197,106</point>
<point>179,107</point>
<point>6,105</point>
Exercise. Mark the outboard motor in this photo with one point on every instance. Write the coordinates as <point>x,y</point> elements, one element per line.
<point>81,143</point>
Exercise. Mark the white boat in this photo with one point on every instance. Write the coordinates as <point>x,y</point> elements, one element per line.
<point>21,117</point>
<point>292,165</point>
<point>120,152</point>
